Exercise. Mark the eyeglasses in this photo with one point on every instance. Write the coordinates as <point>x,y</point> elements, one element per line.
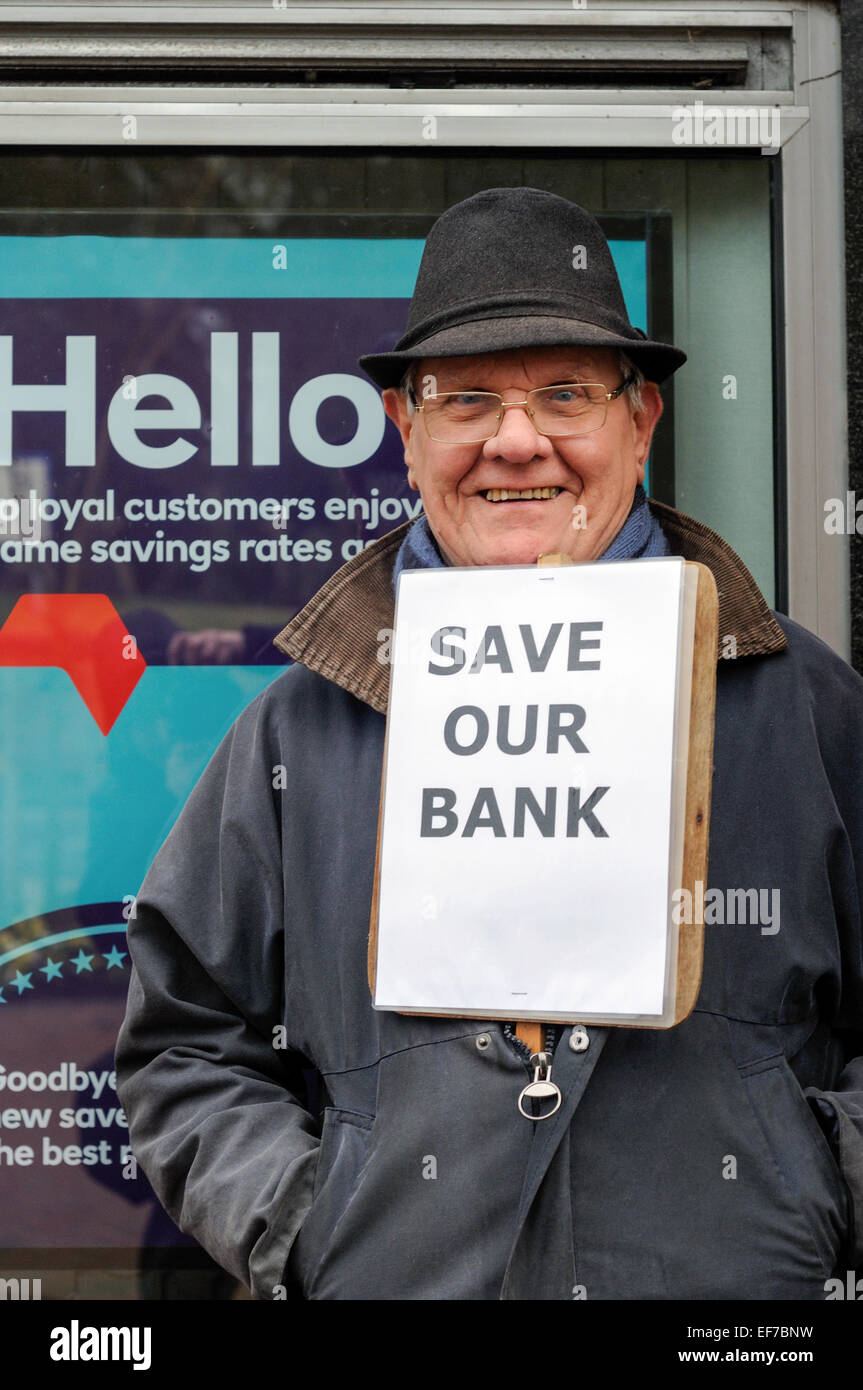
<point>471,417</point>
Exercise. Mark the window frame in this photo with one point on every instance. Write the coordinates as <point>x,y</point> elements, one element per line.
<point>812,567</point>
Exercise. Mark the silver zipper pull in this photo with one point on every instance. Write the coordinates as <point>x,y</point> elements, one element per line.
<point>541,1087</point>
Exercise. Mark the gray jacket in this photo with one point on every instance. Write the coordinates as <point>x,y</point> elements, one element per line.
<point>693,1163</point>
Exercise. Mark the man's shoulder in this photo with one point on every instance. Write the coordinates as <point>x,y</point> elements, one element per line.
<point>296,699</point>
<point>815,657</point>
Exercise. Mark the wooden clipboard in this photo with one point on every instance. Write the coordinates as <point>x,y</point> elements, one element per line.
<point>699,774</point>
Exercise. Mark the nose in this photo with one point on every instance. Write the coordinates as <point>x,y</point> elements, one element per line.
<point>517,441</point>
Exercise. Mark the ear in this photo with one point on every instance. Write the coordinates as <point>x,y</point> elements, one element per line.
<point>396,408</point>
<point>644,422</point>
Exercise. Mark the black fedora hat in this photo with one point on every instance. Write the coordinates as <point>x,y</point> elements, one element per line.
<point>517,268</point>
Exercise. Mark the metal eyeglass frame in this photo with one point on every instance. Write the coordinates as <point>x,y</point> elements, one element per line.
<point>505,405</point>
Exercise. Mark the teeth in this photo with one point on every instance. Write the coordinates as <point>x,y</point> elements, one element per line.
<point>527,494</point>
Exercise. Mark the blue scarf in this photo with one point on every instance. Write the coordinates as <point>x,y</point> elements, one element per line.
<point>640,538</point>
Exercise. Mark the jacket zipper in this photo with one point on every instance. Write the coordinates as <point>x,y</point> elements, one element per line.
<point>524,1052</point>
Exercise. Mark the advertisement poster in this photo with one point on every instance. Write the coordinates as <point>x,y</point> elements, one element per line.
<point>188,450</point>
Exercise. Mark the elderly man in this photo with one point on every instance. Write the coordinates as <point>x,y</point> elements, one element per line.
<point>719,1159</point>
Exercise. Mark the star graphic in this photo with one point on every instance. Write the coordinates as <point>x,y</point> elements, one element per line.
<point>2,1000</point>
<point>51,971</point>
<point>81,962</point>
<point>22,981</point>
<point>114,957</point>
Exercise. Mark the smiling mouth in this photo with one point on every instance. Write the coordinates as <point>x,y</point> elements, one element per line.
<point>526,494</point>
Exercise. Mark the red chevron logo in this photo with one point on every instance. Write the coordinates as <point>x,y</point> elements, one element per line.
<point>85,636</point>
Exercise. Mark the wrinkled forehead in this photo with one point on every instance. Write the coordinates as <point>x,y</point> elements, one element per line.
<point>521,367</point>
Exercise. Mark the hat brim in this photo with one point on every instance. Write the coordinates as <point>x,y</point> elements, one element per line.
<point>656,360</point>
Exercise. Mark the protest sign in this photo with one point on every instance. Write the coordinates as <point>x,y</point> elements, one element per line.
<point>535,791</point>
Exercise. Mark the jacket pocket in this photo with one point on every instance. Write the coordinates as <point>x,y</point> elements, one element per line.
<point>343,1154</point>
<point>697,1145</point>
<point>801,1154</point>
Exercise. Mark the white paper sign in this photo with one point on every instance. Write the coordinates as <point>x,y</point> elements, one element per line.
<point>527,817</point>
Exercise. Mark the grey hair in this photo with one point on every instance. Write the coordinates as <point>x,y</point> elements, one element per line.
<point>633,390</point>
<point>625,364</point>
<point>407,388</point>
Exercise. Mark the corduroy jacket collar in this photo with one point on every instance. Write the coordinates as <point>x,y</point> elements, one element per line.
<point>337,633</point>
